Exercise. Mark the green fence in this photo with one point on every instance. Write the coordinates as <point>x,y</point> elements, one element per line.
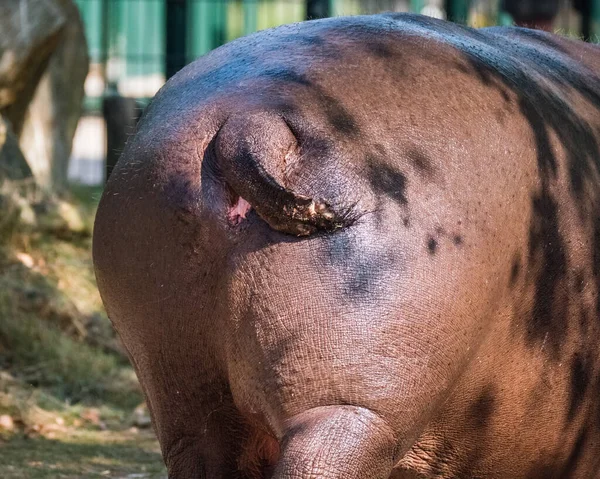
<point>136,44</point>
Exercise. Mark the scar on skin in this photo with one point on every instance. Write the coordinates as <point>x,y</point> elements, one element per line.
<point>238,211</point>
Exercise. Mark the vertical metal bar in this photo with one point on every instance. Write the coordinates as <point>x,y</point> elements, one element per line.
<point>586,19</point>
<point>104,40</point>
<point>317,9</point>
<point>416,5</point>
<point>175,36</point>
<point>457,10</point>
<point>594,21</point>
<point>220,24</point>
<point>250,16</point>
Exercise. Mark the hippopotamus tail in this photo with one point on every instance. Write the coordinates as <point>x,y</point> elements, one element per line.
<point>254,153</point>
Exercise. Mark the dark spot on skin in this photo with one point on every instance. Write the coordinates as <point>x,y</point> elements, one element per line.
<point>462,68</point>
<point>580,171</point>
<point>359,273</point>
<point>515,270</point>
<point>483,408</point>
<point>421,162</point>
<point>576,453</point>
<point>432,245</point>
<point>360,281</point>
<point>583,319</point>
<point>286,109</point>
<point>364,274</point>
<point>549,317</point>
<point>338,116</point>
<point>406,222</point>
<point>379,49</point>
<point>501,116</point>
<point>386,180</point>
<point>312,40</point>
<point>363,277</point>
<point>286,75</point>
<point>580,380</point>
<point>480,414</point>
<point>335,112</point>
<point>339,248</point>
<point>457,240</point>
<point>504,94</point>
<point>542,470</point>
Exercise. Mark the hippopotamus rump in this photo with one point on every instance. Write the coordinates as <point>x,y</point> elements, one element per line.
<point>365,248</point>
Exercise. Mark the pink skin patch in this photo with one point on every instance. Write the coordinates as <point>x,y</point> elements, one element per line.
<point>237,213</point>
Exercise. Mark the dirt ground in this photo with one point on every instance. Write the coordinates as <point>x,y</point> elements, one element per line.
<point>79,454</point>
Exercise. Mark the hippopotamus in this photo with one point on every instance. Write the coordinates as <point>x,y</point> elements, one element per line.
<point>365,248</point>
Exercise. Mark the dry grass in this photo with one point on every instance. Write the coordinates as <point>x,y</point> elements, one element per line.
<point>66,389</point>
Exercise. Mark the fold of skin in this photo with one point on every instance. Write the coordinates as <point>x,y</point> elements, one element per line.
<point>336,442</point>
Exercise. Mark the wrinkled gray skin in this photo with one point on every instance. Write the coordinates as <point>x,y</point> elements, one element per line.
<point>414,291</point>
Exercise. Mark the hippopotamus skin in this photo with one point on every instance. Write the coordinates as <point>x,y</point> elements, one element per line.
<point>363,248</point>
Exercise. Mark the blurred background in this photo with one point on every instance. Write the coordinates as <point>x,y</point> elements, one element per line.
<point>75,76</point>
<point>135,45</point>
